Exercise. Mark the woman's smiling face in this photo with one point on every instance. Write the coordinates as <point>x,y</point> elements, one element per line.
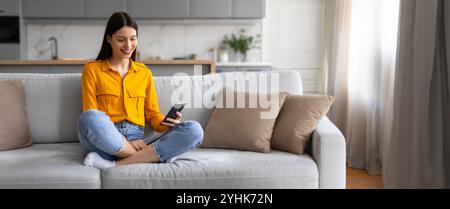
<point>123,42</point>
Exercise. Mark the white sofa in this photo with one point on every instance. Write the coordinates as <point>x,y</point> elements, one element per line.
<point>55,158</point>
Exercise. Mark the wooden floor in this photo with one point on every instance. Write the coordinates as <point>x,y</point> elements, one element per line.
<point>360,179</point>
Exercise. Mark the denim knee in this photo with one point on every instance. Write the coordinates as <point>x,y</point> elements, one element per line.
<point>97,132</point>
<point>88,117</point>
<point>195,132</point>
<point>181,138</point>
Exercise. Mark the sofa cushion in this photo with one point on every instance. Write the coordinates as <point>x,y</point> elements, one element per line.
<point>297,120</point>
<point>243,126</point>
<point>47,166</point>
<point>53,104</point>
<point>14,131</point>
<point>205,168</point>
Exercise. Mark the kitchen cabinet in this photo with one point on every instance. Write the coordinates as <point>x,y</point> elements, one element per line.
<point>142,9</point>
<point>157,70</point>
<point>233,9</point>
<point>9,8</point>
<point>178,70</point>
<point>24,69</point>
<point>9,51</point>
<point>103,8</point>
<point>211,8</point>
<point>242,67</point>
<point>249,8</point>
<point>158,67</point>
<point>158,8</point>
<point>52,8</point>
<point>60,69</point>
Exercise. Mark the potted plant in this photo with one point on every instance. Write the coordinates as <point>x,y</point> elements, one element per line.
<point>242,43</point>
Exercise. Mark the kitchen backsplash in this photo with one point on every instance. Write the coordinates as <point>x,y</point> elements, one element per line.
<point>155,40</point>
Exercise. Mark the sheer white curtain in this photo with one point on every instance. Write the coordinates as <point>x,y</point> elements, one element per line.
<point>361,76</point>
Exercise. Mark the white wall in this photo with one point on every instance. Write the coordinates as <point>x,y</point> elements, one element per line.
<point>293,34</point>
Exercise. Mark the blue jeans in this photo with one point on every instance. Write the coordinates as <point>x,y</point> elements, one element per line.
<point>97,133</point>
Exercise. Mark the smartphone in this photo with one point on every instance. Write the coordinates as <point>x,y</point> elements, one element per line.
<point>177,107</point>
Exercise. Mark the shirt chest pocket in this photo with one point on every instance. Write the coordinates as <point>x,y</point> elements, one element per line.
<point>107,98</point>
<point>137,100</point>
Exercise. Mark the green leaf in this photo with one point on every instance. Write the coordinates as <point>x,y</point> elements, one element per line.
<point>242,42</point>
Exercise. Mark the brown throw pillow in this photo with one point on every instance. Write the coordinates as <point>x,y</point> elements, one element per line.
<point>297,120</point>
<point>14,132</point>
<point>243,128</point>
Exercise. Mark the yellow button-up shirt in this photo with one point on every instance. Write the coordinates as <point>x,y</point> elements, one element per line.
<point>132,98</point>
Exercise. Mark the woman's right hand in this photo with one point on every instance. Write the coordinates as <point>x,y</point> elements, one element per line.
<point>171,122</point>
<point>138,144</point>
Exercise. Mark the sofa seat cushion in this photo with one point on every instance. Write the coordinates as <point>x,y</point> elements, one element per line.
<point>218,168</point>
<point>47,166</point>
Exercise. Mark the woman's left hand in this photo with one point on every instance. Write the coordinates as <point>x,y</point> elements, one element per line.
<point>138,144</point>
<point>172,122</point>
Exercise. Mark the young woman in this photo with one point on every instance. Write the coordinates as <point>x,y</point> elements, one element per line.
<point>118,97</point>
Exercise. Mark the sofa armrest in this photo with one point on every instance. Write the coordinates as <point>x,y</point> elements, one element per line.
<point>328,150</point>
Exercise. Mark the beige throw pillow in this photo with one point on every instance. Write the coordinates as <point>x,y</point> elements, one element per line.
<point>297,120</point>
<point>14,132</point>
<point>243,128</point>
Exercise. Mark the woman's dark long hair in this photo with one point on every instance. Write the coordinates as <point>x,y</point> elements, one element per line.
<point>115,23</point>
